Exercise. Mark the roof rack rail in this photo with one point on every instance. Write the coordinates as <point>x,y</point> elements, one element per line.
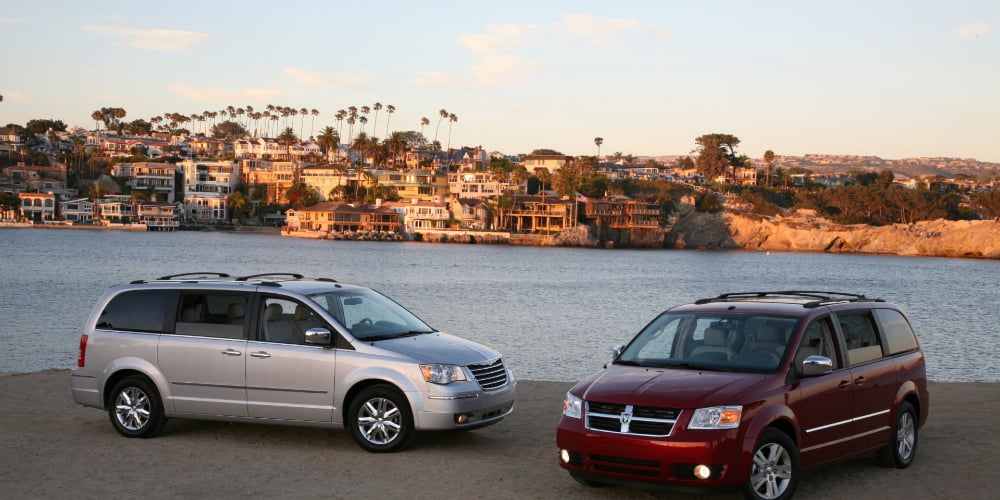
<point>261,275</point>
<point>822,297</point>
<point>204,274</point>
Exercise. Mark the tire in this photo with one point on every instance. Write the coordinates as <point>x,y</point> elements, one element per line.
<point>902,447</point>
<point>135,408</point>
<point>774,472</point>
<point>379,419</point>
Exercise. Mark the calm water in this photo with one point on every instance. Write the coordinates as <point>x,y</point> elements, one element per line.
<point>554,312</point>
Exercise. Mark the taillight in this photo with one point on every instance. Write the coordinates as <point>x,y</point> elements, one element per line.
<point>81,357</point>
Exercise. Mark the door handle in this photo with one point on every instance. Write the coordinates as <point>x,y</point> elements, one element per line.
<point>231,352</point>
<point>260,354</point>
<point>860,381</point>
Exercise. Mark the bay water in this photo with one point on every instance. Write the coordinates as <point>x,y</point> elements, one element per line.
<point>555,313</point>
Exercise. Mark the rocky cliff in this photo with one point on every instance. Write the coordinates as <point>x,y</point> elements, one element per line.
<point>803,231</point>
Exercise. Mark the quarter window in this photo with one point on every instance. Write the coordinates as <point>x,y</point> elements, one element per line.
<point>899,337</point>
<point>137,311</point>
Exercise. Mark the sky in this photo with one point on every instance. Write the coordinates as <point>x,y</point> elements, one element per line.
<point>894,79</point>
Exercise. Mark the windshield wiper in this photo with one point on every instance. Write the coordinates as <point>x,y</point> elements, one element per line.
<point>390,336</point>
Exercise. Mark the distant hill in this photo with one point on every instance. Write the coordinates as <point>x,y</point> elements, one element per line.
<point>910,167</point>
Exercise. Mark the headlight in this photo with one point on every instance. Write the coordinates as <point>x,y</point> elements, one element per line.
<point>442,374</point>
<point>572,406</point>
<point>716,417</point>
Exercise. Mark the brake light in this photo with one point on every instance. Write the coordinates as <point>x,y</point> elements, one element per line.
<point>81,357</point>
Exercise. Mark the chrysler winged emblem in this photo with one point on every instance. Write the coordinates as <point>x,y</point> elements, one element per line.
<point>625,418</point>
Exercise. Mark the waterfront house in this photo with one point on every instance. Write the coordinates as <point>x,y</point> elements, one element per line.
<point>38,207</point>
<point>471,213</point>
<point>77,210</point>
<point>210,176</point>
<point>115,209</point>
<point>420,214</point>
<point>535,214</point>
<point>205,207</point>
<point>157,216</point>
<point>327,178</point>
<point>336,217</point>
<point>620,212</point>
<point>146,176</point>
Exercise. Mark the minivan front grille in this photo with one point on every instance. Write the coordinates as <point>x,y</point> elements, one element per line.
<point>491,376</point>
<point>629,419</point>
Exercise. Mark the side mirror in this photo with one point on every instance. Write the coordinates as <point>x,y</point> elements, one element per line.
<point>318,336</point>
<point>816,365</point>
<point>617,351</point>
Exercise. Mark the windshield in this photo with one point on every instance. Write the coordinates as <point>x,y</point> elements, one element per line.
<point>711,341</point>
<point>369,315</point>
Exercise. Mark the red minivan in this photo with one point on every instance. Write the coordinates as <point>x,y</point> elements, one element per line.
<point>745,390</point>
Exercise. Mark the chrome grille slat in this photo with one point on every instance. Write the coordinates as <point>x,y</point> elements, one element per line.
<point>642,420</point>
<point>490,376</point>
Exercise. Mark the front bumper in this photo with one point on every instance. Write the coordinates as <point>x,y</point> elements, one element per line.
<point>668,460</point>
<point>442,408</point>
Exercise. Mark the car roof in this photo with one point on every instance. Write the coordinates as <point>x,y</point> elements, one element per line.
<point>289,281</point>
<point>787,302</point>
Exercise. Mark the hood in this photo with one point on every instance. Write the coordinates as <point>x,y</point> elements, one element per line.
<point>440,347</point>
<point>667,387</point>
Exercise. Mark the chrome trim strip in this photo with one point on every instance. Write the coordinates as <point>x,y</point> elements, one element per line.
<point>449,398</point>
<point>848,421</point>
<point>251,388</point>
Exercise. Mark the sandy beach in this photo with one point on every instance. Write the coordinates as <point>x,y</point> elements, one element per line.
<point>53,448</point>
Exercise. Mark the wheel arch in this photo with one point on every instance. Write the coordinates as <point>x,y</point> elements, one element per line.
<point>123,369</point>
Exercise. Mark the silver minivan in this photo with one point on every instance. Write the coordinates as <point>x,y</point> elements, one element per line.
<point>283,349</point>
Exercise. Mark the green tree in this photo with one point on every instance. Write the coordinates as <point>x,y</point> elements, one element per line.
<point>228,130</point>
<point>41,126</point>
<point>287,138</point>
<point>717,154</point>
<point>235,201</point>
<point>328,139</point>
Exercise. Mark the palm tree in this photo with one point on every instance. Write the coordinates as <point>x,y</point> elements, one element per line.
<point>377,107</point>
<point>97,116</point>
<point>423,122</point>
<point>341,114</point>
<point>396,143</point>
<point>312,126</point>
<point>769,159</point>
<point>302,121</point>
<point>598,141</point>
<point>389,110</point>
<point>236,201</point>
<point>452,118</point>
<point>364,114</point>
<point>443,113</point>
<point>288,138</point>
<point>328,139</point>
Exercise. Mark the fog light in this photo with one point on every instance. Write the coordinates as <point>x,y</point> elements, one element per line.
<point>564,456</point>
<point>462,418</point>
<point>702,471</point>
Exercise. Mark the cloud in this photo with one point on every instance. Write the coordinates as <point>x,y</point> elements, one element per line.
<point>161,40</point>
<point>341,80</point>
<point>10,20</point>
<point>15,96</point>
<point>977,30</point>
<point>603,30</point>
<point>495,48</point>
<point>434,79</point>
<point>207,95</point>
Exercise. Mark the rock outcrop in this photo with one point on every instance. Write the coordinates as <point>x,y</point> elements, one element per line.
<point>804,231</point>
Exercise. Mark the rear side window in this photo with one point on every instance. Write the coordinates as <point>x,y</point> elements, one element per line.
<point>860,337</point>
<point>137,311</point>
<point>899,337</point>
<point>212,314</point>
